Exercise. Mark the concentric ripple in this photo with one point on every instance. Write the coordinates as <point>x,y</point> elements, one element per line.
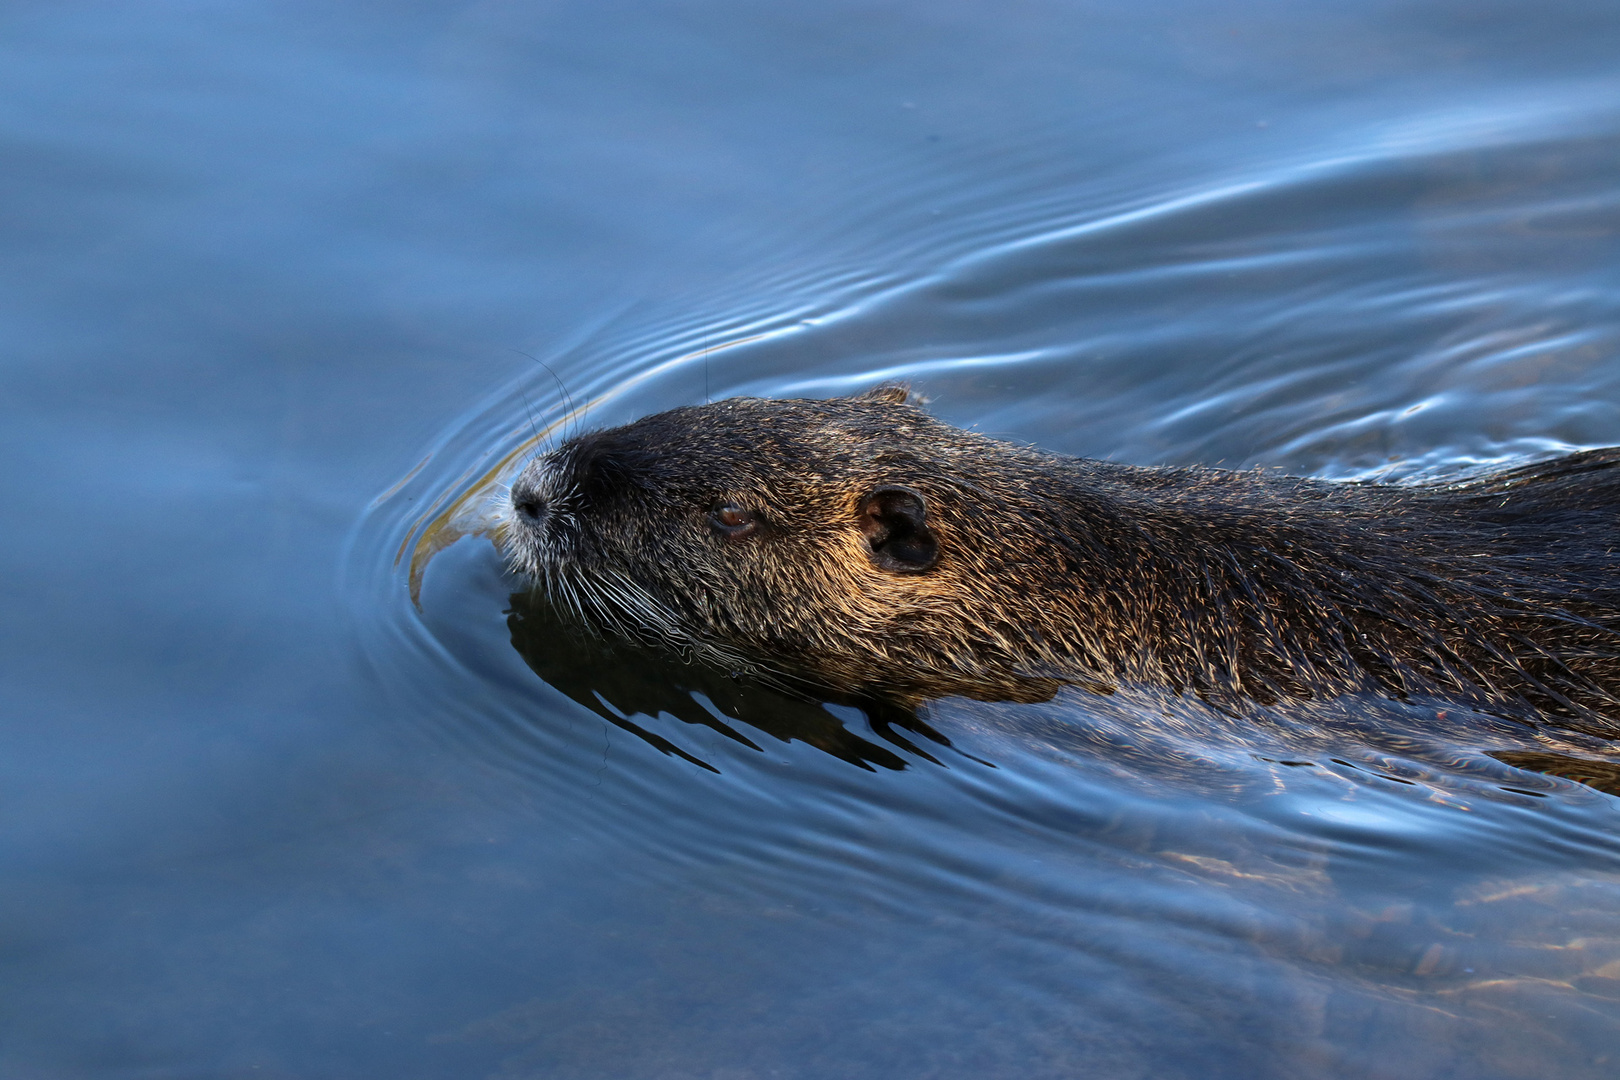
<point>1435,297</point>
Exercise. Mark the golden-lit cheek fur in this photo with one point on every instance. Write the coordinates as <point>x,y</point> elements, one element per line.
<point>828,592</point>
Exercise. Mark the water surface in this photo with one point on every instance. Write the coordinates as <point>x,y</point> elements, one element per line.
<point>278,281</point>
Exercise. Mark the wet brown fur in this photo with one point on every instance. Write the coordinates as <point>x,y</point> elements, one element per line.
<point>1501,591</point>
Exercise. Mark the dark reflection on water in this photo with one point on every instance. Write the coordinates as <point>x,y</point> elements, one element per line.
<point>618,681</point>
<point>277,272</point>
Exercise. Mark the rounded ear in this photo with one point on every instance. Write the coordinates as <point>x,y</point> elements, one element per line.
<point>888,393</point>
<point>894,520</point>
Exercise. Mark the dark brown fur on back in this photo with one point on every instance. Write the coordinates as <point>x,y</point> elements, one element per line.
<point>882,552</point>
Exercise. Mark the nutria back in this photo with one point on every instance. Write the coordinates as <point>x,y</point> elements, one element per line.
<point>861,546</point>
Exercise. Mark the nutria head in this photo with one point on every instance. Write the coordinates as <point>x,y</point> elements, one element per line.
<point>802,537</point>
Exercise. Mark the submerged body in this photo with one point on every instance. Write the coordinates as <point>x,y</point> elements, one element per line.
<point>860,546</point>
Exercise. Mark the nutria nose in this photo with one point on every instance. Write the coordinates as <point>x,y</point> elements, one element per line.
<point>529,505</point>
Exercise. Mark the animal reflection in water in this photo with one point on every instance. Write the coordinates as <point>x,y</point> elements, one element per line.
<point>619,680</point>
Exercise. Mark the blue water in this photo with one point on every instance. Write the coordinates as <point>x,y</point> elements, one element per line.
<point>278,277</point>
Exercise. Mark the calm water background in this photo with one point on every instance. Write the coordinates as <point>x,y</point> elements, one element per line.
<point>259,816</point>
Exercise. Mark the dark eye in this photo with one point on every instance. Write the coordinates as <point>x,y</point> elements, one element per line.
<point>732,521</point>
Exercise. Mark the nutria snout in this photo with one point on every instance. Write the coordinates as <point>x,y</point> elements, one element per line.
<point>861,545</point>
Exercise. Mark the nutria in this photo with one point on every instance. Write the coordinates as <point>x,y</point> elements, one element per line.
<point>862,546</point>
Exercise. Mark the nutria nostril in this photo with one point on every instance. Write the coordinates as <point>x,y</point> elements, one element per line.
<point>528,504</point>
